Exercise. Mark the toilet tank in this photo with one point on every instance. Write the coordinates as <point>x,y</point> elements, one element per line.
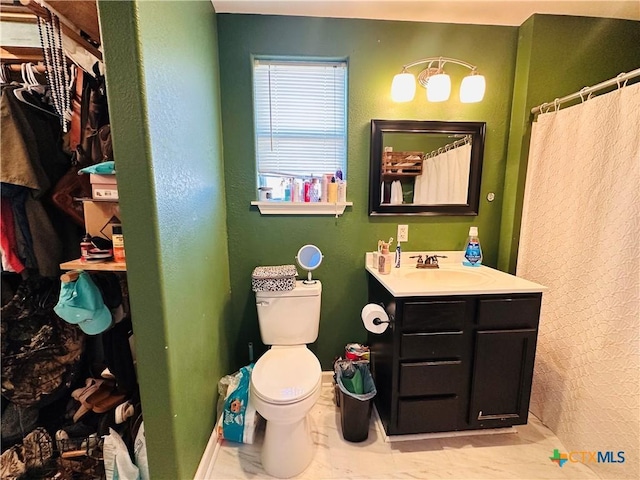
<point>290,317</point>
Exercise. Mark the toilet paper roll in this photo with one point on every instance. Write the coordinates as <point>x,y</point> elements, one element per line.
<point>370,312</point>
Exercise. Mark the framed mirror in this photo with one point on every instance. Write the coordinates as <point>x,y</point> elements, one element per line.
<point>425,167</point>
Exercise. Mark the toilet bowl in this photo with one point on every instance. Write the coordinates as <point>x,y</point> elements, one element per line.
<point>285,385</point>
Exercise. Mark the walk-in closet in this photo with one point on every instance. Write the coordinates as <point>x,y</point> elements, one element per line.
<point>71,406</point>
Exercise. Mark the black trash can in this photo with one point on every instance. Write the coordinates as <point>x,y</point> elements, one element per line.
<point>355,409</point>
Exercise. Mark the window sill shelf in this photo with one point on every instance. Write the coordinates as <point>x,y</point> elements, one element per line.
<point>302,208</point>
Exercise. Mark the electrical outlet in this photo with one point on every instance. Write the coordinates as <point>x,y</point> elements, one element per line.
<point>403,233</point>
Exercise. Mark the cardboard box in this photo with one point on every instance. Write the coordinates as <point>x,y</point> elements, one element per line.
<point>100,217</point>
<point>104,187</point>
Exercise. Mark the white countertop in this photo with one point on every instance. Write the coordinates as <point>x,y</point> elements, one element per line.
<point>451,278</point>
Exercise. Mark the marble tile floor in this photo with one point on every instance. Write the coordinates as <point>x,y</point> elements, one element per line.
<point>521,454</point>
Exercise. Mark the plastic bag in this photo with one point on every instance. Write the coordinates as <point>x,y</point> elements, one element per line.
<point>239,417</point>
<point>226,385</point>
<point>345,379</point>
<point>117,462</point>
<point>140,453</point>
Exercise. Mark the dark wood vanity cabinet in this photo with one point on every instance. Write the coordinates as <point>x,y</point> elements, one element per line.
<point>456,362</point>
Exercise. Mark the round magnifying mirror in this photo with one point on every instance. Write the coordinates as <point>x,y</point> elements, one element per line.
<point>309,257</point>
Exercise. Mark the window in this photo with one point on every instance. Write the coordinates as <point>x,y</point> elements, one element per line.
<point>300,121</point>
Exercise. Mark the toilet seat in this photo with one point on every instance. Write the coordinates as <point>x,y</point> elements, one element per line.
<point>285,375</point>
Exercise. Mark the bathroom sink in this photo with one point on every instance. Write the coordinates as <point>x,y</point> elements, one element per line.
<point>452,278</point>
<point>446,277</point>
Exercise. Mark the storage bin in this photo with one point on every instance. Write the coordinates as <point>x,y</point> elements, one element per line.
<point>103,187</point>
<point>274,278</point>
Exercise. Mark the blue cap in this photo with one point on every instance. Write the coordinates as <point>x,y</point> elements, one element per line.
<point>81,304</point>
<point>103,168</point>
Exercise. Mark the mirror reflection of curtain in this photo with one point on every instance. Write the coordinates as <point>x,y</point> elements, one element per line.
<point>445,178</point>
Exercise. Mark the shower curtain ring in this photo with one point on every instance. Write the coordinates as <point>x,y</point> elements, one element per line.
<point>556,104</point>
<point>582,92</point>
<point>618,80</point>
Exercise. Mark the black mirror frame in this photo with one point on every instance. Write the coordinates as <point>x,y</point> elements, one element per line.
<point>475,129</point>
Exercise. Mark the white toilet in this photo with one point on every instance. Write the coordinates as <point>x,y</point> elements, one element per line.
<point>286,380</point>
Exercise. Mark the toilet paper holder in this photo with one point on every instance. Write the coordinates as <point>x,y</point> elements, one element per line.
<point>379,321</point>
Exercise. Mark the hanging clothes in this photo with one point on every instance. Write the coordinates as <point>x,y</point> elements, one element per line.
<point>10,260</point>
<point>32,160</point>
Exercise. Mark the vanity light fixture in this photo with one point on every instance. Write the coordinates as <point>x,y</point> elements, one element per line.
<point>437,83</point>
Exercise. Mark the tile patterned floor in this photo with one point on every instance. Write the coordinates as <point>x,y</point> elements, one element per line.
<point>521,455</point>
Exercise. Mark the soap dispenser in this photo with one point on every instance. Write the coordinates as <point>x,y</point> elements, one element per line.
<point>384,260</point>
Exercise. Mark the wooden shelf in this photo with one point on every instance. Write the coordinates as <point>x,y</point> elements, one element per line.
<point>301,208</point>
<point>91,199</point>
<point>108,266</point>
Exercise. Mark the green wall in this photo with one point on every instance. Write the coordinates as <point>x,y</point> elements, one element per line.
<point>162,79</point>
<point>375,51</point>
<point>190,240</point>
<point>557,56</point>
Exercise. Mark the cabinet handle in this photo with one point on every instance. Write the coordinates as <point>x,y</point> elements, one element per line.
<point>504,416</point>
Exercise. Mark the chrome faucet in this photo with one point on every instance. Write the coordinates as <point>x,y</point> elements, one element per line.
<point>430,262</point>
<point>420,262</point>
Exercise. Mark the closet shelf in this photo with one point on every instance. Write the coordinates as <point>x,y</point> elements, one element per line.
<point>91,199</point>
<point>109,266</point>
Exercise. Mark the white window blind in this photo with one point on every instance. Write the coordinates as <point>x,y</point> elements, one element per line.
<point>300,117</point>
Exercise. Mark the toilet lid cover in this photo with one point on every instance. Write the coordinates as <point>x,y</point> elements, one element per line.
<point>286,374</point>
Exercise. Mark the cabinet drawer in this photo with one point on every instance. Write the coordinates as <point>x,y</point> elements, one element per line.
<point>424,416</point>
<point>430,378</point>
<point>434,316</point>
<point>509,312</point>
<point>430,346</point>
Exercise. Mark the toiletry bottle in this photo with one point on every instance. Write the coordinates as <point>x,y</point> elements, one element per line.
<point>118,243</point>
<point>295,194</point>
<point>332,191</point>
<point>307,191</point>
<point>287,191</point>
<point>85,246</point>
<point>376,254</point>
<point>314,191</point>
<point>342,191</point>
<point>398,255</point>
<point>472,249</point>
<point>384,260</point>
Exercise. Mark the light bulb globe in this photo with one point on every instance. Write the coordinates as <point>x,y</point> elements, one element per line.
<point>403,87</point>
<point>439,87</point>
<point>472,88</point>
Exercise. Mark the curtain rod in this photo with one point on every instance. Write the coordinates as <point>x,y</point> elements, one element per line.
<point>587,90</point>
<point>448,147</point>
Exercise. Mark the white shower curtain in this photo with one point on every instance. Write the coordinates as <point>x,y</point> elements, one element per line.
<point>445,178</point>
<point>581,238</point>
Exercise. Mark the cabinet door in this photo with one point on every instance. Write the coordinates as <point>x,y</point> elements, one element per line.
<point>502,375</point>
